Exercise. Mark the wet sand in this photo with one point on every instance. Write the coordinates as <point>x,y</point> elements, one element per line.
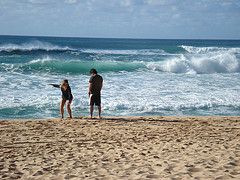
<point>151,147</point>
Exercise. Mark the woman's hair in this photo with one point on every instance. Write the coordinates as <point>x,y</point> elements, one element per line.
<point>64,81</point>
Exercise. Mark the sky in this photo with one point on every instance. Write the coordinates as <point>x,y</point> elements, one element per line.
<point>154,19</point>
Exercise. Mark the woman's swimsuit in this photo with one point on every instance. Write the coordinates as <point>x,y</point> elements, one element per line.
<point>66,94</point>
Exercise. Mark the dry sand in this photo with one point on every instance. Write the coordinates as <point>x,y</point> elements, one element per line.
<point>159,147</point>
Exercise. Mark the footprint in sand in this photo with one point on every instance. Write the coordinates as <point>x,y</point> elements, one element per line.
<point>193,170</point>
<point>38,173</point>
<point>224,177</point>
<point>152,176</point>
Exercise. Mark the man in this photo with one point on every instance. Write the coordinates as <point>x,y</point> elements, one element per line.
<point>95,87</point>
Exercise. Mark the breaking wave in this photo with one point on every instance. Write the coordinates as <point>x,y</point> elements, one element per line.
<point>73,67</point>
<point>206,64</point>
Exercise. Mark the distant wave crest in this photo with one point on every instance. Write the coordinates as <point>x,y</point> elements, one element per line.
<point>32,46</point>
<point>125,52</point>
<point>203,50</point>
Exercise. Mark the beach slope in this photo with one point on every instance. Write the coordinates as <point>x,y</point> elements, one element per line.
<point>156,147</point>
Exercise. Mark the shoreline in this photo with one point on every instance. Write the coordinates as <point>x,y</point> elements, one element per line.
<point>121,147</point>
<point>130,117</point>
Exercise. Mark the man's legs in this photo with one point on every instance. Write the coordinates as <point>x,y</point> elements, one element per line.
<point>91,111</point>
<point>95,99</point>
<point>99,112</point>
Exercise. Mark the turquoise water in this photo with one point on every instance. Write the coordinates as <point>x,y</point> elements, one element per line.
<point>141,76</point>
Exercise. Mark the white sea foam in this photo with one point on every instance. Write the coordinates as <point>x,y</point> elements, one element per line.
<point>165,92</point>
<point>126,52</point>
<point>42,60</point>
<point>204,50</point>
<point>127,93</point>
<point>204,63</point>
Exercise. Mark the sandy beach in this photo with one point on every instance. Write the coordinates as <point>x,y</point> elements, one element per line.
<point>157,147</point>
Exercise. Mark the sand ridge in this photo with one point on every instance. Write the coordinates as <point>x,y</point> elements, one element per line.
<point>152,147</point>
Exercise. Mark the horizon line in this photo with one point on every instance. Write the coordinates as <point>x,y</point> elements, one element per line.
<point>119,37</point>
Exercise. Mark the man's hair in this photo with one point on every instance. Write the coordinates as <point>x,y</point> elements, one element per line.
<point>93,71</point>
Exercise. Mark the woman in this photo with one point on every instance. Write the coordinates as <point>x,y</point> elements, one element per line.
<point>66,96</point>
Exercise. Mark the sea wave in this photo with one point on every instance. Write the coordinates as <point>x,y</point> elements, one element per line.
<point>198,60</point>
<point>32,46</point>
<point>205,64</point>
<point>204,50</point>
<point>40,46</point>
<point>49,65</point>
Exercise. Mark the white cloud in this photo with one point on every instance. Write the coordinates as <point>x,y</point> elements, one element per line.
<point>70,1</point>
<point>158,2</point>
<point>125,3</point>
<point>176,16</point>
<point>41,1</point>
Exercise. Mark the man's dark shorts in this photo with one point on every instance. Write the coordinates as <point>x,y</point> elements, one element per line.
<point>95,99</point>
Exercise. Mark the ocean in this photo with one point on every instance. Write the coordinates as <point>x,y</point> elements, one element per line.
<point>141,76</point>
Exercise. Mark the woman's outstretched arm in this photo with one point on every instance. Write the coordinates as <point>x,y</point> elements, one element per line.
<point>55,85</point>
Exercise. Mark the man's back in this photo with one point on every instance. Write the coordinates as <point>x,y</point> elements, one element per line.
<point>96,81</point>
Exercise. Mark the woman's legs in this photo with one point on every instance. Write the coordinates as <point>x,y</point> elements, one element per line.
<point>68,108</point>
<point>61,107</point>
